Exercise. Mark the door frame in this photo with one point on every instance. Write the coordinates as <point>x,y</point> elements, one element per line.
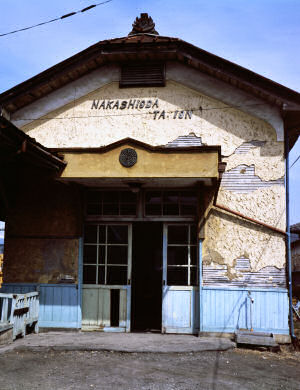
<point>196,301</point>
<point>127,287</point>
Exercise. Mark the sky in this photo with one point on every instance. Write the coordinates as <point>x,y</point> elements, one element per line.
<point>261,35</point>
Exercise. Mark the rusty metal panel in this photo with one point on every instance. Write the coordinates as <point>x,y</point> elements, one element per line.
<point>185,141</point>
<point>243,179</point>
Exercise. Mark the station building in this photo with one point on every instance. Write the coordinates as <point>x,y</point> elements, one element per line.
<point>143,189</point>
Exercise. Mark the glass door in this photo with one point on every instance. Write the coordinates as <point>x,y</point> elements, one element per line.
<point>106,292</point>
<point>180,306</point>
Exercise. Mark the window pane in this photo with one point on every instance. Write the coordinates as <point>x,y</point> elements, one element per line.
<point>177,276</point>
<point>171,197</point>
<point>177,234</point>
<point>188,203</point>
<point>171,209</point>
<point>90,234</point>
<point>153,209</point>
<point>117,275</point>
<point>117,234</point>
<point>153,197</point>
<point>101,254</point>
<point>194,240</point>
<point>127,209</point>
<point>110,196</point>
<point>194,276</point>
<point>94,196</point>
<point>110,209</point>
<point>188,210</point>
<point>194,260</point>
<point>101,274</point>
<point>127,197</point>
<point>93,209</point>
<point>102,233</point>
<point>116,254</point>
<point>89,274</point>
<point>90,254</point>
<point>177,255</point>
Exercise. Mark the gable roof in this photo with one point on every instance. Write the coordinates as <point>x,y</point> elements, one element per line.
<point>152,47</point>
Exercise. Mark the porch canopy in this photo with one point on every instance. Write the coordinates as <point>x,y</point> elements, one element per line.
<point>130,161</point>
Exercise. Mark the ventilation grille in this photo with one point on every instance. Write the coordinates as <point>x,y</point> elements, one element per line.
<point>142,75</point>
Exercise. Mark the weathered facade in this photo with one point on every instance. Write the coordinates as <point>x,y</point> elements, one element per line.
<point>168,212</point>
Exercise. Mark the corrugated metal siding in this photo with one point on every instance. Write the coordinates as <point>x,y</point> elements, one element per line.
<point>243,179</point>
<point>215,275</point>
<point>247,146</point>
<point>185,141</point>
<point>142,75</point>
<point>226,310</point>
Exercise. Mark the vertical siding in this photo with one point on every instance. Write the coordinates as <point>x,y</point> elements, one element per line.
<point>59,303</point>
<point>226,310</point>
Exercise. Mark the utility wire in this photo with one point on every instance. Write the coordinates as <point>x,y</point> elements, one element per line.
<point>295,161</point>
<point>200,109</point>
<point>56,19</point>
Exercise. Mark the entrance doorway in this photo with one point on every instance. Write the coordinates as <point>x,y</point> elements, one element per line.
<point>146,303</point>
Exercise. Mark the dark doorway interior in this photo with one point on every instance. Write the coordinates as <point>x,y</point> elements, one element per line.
<point>146,303</point>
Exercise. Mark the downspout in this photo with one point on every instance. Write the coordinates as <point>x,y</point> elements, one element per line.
<point>288,233</point>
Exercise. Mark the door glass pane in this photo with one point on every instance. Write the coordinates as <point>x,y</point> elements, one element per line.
<point>101,254</point>
<point>117,234</point>
<point>116,275</point>
<point>177,255</point>
<point>101,274</point>
<point>90,234</point>
<point>110,196</point>
<point>90,254</point>
<point>177,276</point>
<point>194,276</point>
<point>193,250</point>
<point>117,254</point>
<point>177,234</point>
<point>89,274</point>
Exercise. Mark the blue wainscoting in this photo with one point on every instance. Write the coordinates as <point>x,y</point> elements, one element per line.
<point>59,303</point>
<point>228,309</point>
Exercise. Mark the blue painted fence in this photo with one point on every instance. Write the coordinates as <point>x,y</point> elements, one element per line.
<point>226,310</point>
<point>59,303</point>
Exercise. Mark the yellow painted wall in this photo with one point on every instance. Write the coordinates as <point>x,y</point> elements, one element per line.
<point>148,165</point>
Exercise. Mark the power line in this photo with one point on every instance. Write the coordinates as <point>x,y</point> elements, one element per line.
<point>200,109</point>
<point>295,161</point>
<point>56,19</point>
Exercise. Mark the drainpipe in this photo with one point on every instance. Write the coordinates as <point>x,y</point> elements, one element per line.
<point>288,234</point>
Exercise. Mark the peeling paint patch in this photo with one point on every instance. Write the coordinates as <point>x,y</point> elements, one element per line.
<point>243,179</point>
<point>268,160</point>
<point>217,275</point>
<point>185,141</point>
<point>247,146</point>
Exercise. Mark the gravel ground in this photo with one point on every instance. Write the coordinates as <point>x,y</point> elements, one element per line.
<point>238,369</point>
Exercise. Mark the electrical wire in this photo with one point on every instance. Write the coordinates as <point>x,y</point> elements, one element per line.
<point>295,161</point>
<point>200,109</point>
<point>56,19</point>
